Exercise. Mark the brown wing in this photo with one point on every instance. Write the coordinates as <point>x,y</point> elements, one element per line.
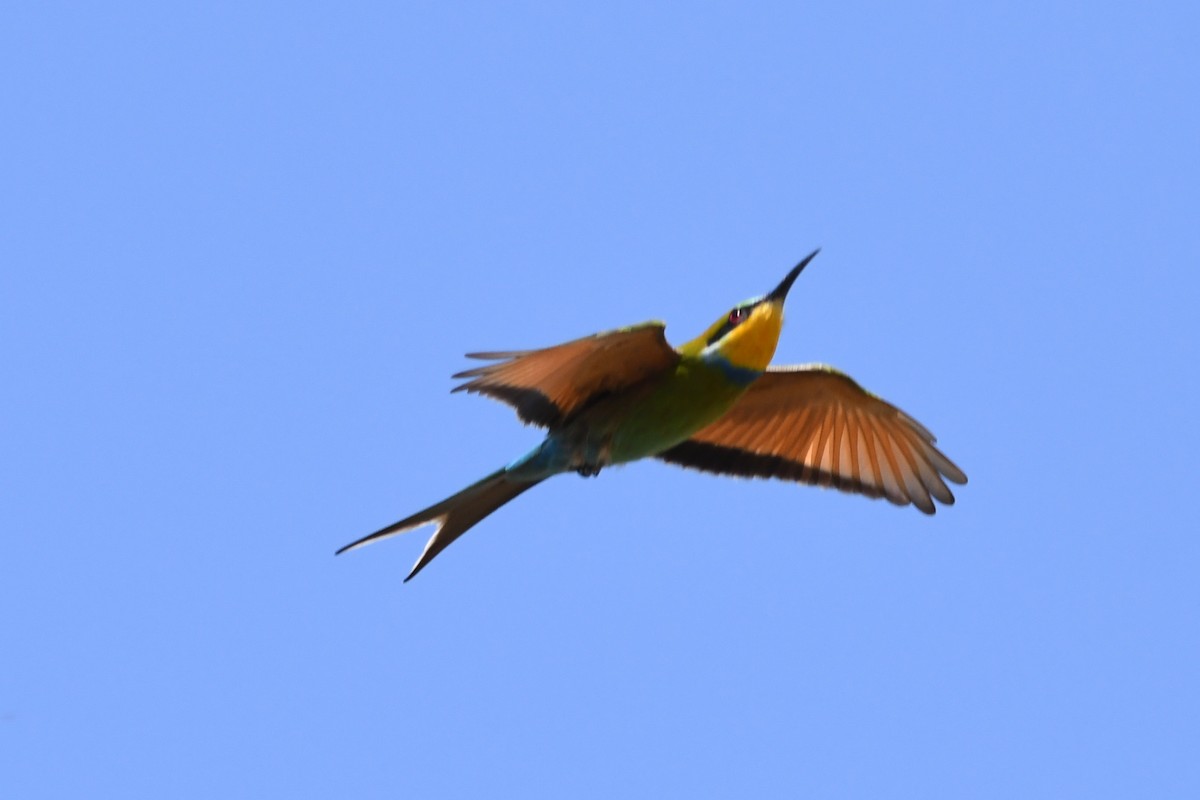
<point>815,425</point>
<point>548,386</point>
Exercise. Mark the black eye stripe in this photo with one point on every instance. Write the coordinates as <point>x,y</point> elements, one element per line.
<point>735,318</point>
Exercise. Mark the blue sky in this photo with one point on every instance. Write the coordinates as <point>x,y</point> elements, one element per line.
<point>244,246</point>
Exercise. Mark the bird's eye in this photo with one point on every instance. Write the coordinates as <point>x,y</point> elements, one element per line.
<point>737,315</point>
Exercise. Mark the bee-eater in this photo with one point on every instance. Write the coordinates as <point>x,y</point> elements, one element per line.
<point>713,404</point>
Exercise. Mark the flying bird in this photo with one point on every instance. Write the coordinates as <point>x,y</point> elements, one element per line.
<point>715,404</point>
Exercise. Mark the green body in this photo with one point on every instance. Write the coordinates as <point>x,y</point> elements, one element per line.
<point>638,422</point>
<point>669,411</point>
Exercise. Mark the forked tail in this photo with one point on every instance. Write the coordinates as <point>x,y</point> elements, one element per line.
<point>454,516</point>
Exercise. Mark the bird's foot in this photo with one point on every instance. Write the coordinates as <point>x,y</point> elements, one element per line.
<point>589,470</point>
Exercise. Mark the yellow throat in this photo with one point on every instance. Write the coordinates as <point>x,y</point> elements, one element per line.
<point>750,344</point>
<point>746,337</point>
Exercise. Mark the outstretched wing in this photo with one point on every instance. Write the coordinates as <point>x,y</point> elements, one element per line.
<point>813,424</point>
<point>548,386</point>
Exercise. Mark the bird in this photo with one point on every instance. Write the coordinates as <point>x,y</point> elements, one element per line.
<point>714,404</point>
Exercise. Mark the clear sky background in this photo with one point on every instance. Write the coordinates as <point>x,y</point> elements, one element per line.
<point>243,246</point>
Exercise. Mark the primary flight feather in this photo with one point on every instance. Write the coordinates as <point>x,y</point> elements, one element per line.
<point>714,404</point>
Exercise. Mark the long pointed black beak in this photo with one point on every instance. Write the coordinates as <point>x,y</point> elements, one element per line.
<point>780,291</point>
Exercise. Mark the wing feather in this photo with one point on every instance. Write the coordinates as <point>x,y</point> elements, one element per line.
<point>815,425</point>
<point>549,386</point>
<point>891,471</point>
